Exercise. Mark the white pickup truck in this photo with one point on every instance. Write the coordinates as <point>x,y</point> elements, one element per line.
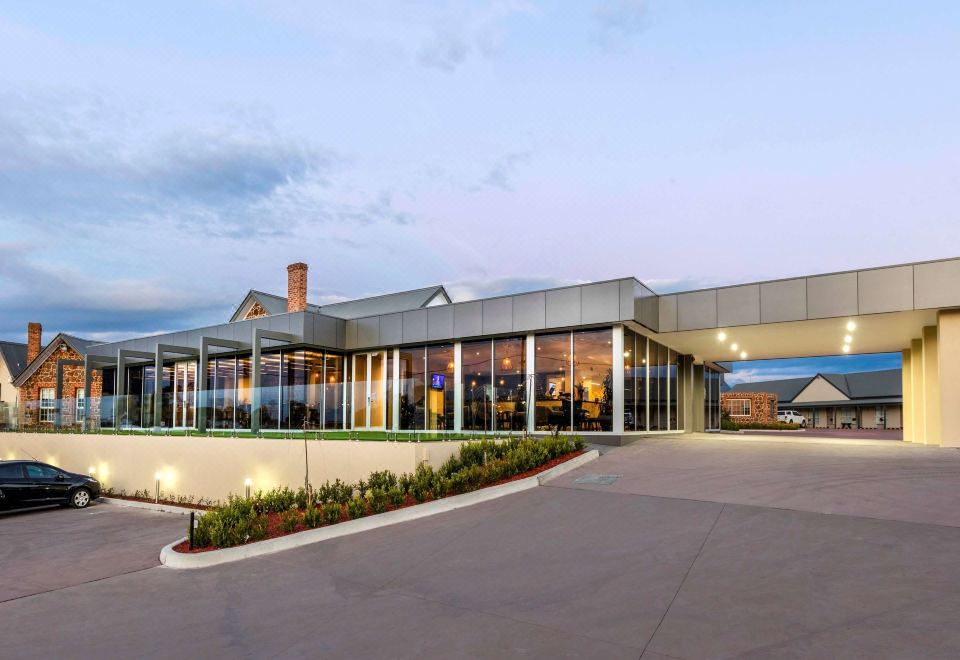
<point>792,417</point>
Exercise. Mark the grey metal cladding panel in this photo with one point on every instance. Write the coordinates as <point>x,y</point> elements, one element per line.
<point>415,326</point>
<point>468,319</point>
<point>936,284</point>
<point>697,310</point>
<point>529,311</point>
<point>600,303</point>
<point>498,316</point>
<point>368,331</point>
<point>279,323</point>
<point>352,334</point>
<point>627,296</point>
<point>668,314</point>
<point>563,307</point>
<point>783,301</point>
<point>440,322</point>
<point>648,310</point>
<point>885,290</point>
<point>738,305</point>
<point>391,329</point>
<point>829,296</point>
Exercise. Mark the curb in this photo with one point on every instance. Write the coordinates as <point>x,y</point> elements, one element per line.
<point>150,506</point>
<point>178,560</point>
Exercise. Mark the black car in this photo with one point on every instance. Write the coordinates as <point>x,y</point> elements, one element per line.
<point>31,483</point>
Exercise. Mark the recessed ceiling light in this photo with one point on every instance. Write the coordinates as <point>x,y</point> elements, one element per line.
<point>851,326</point>
<point>846,348</point>
<point>722,336</point>
<point>743,355</point>
<point>848,339</point>
<point>734,347</point>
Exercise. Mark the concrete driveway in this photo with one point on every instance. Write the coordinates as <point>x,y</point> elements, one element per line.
<point>702,547</point>
<point>49,549</point>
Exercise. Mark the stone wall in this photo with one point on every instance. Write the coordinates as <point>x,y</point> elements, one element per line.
<point>763,407</point>
<point>46,376</point>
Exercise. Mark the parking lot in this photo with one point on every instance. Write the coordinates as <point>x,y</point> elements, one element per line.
<point>690,547</point>
<point>53,548</point>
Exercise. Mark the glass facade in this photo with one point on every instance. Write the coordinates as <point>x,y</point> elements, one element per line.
<point>712,380</point>
<point>570,387</point>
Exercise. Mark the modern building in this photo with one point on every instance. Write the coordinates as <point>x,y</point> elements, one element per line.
<point>860,400</point>
<point>608,359</point>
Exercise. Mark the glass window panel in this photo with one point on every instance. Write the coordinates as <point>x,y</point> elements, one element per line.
<point>333,392</point>
<point>477,376</point>
<point>390,390</point>
<point>134,397</point>
<point>359,391</point>
<point>270,391</point>
<point>149,387</point>
<point>412,389</point>
<point>673,387</point>
<point>629,381</point>
<point>224,395</point>
<point>166,396</point>
<point>313,390</point>
<point>244,405</point>
<point>293,391</point>
<point>108,387</point>
<point>440,390</point>
<point>375,390</point>
<point>510,372</point>
<point>553,364</point>
<point>593,375</point>
<point>656,383</point>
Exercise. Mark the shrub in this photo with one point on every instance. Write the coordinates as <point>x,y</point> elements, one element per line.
<point>341,492</point>
<point>312,516</point>
<point>439,485</point>
<point>378,500</point>
<point>396,496</point>
<point>331,512</point>
<point>418,491</point>
<point>383,480</point>
<point>289,519</point>
<point>234,523</point>
<point>356,507</point>
<point>275,500</point>
<point>404,481</point>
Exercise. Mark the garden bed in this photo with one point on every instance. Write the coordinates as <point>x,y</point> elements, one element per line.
<point>144,496</point>
<point>282,512</point>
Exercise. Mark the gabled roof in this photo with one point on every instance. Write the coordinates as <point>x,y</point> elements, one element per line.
<point>14,355</point>
<point>387,304</point>
<point>856,385</point>
<point>786,389</point>
<point>350,309</point>
<point>76,343</point>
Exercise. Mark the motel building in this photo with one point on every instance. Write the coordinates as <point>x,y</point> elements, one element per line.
<point>609,360</point>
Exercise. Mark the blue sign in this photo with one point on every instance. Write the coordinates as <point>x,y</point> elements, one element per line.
<point>436,381</point>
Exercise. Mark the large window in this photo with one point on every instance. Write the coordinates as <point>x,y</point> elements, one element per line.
<point>333,391</point>
<point>47,404</point>
<point>552,362</point>
<point>510,378</point>
<point>412,388</point>
<point>711,398</point>
<point>440,387</point>
<point>244,406</point>
<point>222,393</point>
<point>108,386</point>
<point>593,377</point>
<point>477,377</point>
<point>672,388</point>
<point>270,391</point>
<point>634,381</point>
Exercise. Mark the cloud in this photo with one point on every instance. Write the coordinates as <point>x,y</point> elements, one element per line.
<point>762,370</point>
<point>464,290</point>
<point>501,174</point>
<point>74,160</point>
<point>618,19</point>
<point>444,51</point>
<point>461,30</point>
<point>70,300</point>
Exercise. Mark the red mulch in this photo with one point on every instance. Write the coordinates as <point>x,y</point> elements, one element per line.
<point>150,500</point>
<point>273,519</point>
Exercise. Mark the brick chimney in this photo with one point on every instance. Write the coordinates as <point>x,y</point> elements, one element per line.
<point>297,287</point>
<point>34,332</point>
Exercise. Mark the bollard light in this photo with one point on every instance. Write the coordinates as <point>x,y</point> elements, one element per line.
<point>247,483</point>
<point>157,475</point>
<point>91,470</point>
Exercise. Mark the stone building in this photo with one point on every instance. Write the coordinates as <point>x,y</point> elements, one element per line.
<point>750,407</point>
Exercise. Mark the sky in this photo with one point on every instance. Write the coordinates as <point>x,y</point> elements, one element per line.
<point>157,160</point>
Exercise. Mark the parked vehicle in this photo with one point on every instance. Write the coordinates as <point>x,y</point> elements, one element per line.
<point>792,417</point>
<point>31,483</point>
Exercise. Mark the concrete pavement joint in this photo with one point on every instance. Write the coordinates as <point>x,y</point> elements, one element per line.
<point>78,584</point>
<point>684,580</point>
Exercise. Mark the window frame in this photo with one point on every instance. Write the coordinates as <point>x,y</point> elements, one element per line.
<point>48,405</point>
